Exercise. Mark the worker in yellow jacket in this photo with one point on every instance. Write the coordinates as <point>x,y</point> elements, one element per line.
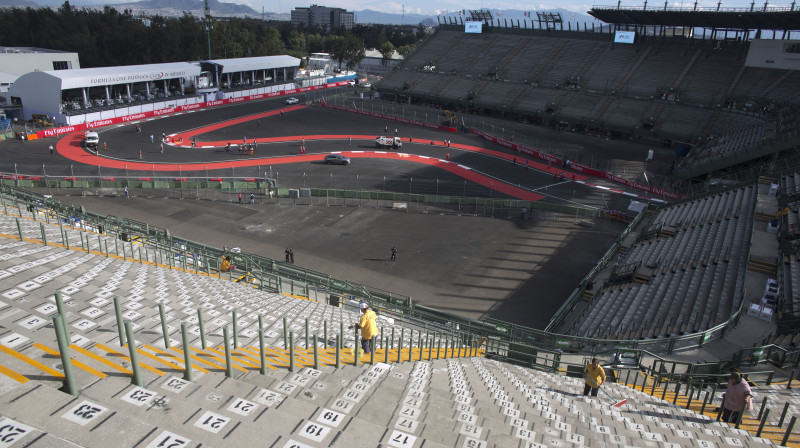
<point>368,326</point>
<point>594,376</point>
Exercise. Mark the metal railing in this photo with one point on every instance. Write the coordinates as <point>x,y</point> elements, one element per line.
<point>275,275</point>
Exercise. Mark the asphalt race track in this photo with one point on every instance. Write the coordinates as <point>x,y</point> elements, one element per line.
<point>511,269</point>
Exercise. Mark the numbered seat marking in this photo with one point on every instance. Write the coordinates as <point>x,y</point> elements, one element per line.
<point>175,384</point>
<point>268,397</point>
<point>212,422</point>
<point>314,431</point>
<point>400,439</point>
<point>169,440</point>
<point>242,407</point>
<point>84,412</point>
<point>330,417</point>
<point>139,396</point>
<point>11,432</point>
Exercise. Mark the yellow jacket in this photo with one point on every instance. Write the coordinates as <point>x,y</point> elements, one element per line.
<point>369,328</point>
<point>594,377</point>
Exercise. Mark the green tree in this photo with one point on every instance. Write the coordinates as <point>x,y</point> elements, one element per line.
<point>387,50</point>
<point>406,50</point>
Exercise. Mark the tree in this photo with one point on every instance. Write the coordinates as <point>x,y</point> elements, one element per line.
<point>387,50</point>
<point>355,51</point>
<point>406,50</point>
<point>336,48</point>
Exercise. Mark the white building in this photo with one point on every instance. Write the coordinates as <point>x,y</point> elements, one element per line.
<point>373,62</point>
<point>17,61</point>
<point>105,92</point>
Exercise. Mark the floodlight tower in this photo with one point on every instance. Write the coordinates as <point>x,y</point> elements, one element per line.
<point>207,12</point>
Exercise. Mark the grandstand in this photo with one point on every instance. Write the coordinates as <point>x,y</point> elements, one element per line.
<point>662,89</point>
<point>208,357</point>
<point>683,274</point>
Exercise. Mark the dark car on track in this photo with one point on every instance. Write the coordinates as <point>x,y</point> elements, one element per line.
<point>336,159</point>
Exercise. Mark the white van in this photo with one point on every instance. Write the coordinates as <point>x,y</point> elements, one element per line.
<point>91,139</point>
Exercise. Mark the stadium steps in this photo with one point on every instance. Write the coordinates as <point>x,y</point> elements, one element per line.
<point>633,69</point>
<point>549,59</point>
<point>559,100</point>
<point>764,217</point>
<point>511,56</point>
<point>775,84</point>
<point>610,100</point>
<point>588,65</point>
<point>766,267</point>
<point>642,278</point>
<point>513,98</point>
<point>733,85</point>
<point>686,69</point>
<point>480,89</point>
<point>478,53</point>
<point>446,51</point>
<point>703,403</point>
<point>656,114</point>
<point>443,85</point>
<point>712,120</point>
<point>766,180</point>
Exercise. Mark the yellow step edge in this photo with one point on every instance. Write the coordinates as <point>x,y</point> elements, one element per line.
<point>215,366</point>
<point>75,362</point>
<point>32,362</point>
<point>126,358</point>
<point>100,359</point>
<point>216,358</point>
<point>13,375</point>
<point>174,358</point>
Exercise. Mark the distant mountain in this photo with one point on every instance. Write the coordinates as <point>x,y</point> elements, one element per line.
<point>18,4</point>
<point>369,16</point>
<point>172,8</point>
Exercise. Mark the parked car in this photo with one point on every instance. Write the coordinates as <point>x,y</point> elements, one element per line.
<point>292,101</point>
<point>366,85</point>
<point>336,159</point>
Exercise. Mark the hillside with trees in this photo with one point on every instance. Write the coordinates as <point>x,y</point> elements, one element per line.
<point>110,37</point>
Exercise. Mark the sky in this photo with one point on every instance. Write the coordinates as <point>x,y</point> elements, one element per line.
<point>426,7</point>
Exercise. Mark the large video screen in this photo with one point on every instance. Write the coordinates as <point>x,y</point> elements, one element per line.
<point>624,37</point>
<point>473,27</point>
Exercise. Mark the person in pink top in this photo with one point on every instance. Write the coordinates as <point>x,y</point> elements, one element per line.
<point>737,395</point>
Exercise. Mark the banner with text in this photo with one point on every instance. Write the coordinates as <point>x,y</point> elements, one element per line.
<point>55,132</point>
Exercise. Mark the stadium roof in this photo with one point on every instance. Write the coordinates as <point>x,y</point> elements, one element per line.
<point>724,18</point>
<point>101,76</point>
<point>235,65</point>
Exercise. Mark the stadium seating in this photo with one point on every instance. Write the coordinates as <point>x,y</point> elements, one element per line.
<point>700,95</point>
<point>455,402</point>
<point>689,275</point>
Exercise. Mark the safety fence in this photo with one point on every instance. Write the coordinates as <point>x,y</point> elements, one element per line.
<point>412,195</point>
